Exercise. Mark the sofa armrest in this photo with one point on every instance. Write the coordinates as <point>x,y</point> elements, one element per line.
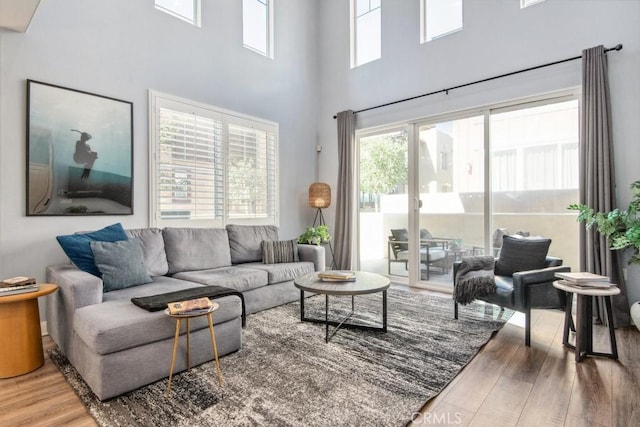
<point>76,289</point>
<point>522,280</point>
<point>314,254</point>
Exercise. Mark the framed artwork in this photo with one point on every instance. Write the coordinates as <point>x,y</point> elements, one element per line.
<point>79,152</point>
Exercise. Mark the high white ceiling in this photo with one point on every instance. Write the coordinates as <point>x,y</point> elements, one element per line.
<point>16,14</point>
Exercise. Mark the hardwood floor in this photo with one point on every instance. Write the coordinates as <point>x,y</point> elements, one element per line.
<point>509,384</point>
<point>506,384</point>
<point>41,398</point>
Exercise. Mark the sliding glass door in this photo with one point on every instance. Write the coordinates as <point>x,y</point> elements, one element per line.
<point>383,185</point>
<point>434,191</point>
<point>451,165</point>
<point>534,174</point>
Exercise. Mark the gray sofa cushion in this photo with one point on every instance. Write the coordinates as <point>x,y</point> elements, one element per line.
<point>281,272</point>
<point>159,285</point>
<point>191,249</point>
<point>106,333</point>
<point>121,264</point>
<point>240,279</point>
<point>435,254</point>
<point>155,258</point>
<point>245,241</point>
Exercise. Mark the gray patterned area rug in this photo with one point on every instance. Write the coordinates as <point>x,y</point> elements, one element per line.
<point>286,375</point>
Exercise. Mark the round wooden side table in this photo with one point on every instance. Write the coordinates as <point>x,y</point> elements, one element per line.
<point>20,334</point>
<point>188,317</point>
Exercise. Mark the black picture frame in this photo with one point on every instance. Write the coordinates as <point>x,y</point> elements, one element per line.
<point>65,175</point>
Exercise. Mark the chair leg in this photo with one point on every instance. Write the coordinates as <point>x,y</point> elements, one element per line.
<point>455,310</point>
<point>527,328</point>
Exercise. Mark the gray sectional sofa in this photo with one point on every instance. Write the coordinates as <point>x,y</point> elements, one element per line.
<point>117,346</point>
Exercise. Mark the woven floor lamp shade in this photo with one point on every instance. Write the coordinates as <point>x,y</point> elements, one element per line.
<point>319,195</point>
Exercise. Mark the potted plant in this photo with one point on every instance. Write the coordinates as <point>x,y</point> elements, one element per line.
<point>315,235</point>
<point>622,227</point>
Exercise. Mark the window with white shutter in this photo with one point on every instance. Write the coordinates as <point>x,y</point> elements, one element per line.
<point>251,165</point>
<point>210,167</point>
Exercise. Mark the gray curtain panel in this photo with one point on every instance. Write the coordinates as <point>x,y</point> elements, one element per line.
<point>597,182</point>
<point>344,200</point>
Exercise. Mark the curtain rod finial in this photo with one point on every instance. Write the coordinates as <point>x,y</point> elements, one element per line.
<point>335,117</point>
<point>618,47</point>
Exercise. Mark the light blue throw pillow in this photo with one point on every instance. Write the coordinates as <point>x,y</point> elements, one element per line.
<point>121,264</point>
<point>77,247</point>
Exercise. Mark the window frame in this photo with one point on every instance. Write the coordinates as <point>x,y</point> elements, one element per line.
<point>526,3</point>
<point>269,38</point>
<point>424,38</point>
<point>158,100</point>
<point>197,13</point>
<point>354,33</point>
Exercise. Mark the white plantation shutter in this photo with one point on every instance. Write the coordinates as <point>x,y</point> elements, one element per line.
<point>251,172</point>
<point>190,166</point>
<point>209,167</point>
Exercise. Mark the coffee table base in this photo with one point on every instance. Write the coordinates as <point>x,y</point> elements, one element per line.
<point>344,322</point>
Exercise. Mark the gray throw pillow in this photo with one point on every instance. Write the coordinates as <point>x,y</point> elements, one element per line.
<point>121,264</point>
<point>275,252</point>
<point>521,254</point>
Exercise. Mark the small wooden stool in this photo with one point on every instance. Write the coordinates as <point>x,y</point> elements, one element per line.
<point>188,317</point>
<point>584,319</point>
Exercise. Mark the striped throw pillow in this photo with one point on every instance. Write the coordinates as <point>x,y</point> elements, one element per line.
<point>279,251</point>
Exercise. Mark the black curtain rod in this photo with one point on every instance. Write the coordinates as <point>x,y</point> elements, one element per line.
<point>446,91</point>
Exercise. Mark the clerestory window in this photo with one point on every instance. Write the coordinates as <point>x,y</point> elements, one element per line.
<point>527,3</point>
<point>186,10</point>
<point>257,26</point>
<point>439,18</point>
<point>366,31</point>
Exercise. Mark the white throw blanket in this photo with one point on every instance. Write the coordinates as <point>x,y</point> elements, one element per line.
<point>474,279</point>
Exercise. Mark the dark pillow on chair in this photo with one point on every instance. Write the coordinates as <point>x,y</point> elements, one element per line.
<point>426,235</point>
<point>279,251</point>
<point>521,254</point>
<point>497,237</point>
<point>401,235</point>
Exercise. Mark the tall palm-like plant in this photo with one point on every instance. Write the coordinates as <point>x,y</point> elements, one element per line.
<point>622,227</point>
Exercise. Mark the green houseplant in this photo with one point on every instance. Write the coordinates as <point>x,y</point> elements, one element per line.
<point>315,235</point>
<point>622,227</point>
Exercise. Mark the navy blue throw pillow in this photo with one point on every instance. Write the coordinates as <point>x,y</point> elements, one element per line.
<point>78,246</point>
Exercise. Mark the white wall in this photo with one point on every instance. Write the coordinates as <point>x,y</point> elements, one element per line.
<point>123,48</point>
<point>498,37</point>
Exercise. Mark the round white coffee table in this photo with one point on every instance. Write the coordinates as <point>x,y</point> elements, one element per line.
<point>365,283</point>
<point>584,318</point>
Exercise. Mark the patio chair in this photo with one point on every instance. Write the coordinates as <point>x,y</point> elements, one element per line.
<point>432,250</point>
